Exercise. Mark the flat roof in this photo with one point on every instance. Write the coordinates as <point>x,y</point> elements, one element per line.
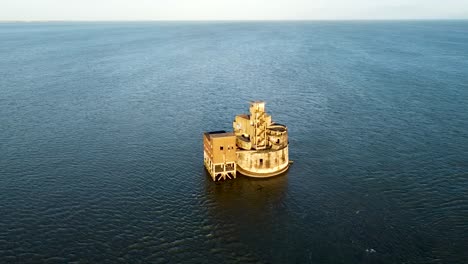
<point>277,127</point>
<point>219,134</point>
<point>244,116</point>
<point>216,132</point>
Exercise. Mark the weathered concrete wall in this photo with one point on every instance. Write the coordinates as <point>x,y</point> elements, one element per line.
<point>243,143</point>
<point>224,149</point>
<point>262,163</point>
<point>241,126</point>
<point>278,137</point>
<point>220,154</point>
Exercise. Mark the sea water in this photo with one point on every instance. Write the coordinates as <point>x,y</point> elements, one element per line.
<point>101,156</point>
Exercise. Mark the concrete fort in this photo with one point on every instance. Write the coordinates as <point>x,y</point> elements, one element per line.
<point>257,147</point>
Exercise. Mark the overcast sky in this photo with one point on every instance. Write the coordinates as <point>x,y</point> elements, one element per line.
<point>231,9</point>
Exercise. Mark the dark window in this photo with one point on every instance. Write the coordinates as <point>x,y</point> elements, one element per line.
<point>261,161</point>
<point>221,148</point>
<point>277,141</point>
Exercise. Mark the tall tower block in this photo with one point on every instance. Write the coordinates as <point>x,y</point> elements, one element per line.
<point>262,145</point>
<point>260,121</point>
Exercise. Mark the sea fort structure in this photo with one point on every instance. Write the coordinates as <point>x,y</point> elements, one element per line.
<point>257,147</point>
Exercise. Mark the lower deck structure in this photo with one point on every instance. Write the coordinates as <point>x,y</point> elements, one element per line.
<point>220,154</point>
<point>261,164</point>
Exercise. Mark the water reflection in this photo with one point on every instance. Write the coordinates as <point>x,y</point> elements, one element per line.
<point>249,211</point>
<point>246,195</point>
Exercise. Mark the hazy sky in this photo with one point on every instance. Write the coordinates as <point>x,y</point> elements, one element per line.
<point>230,9</point>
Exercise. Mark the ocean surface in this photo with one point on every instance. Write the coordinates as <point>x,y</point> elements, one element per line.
<point>101,157</point>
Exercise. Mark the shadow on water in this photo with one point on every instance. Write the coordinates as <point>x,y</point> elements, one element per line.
<point>246,199</point>
<point>249,211</point>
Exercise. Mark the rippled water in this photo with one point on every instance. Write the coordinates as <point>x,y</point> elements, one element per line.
<point>101,142</point>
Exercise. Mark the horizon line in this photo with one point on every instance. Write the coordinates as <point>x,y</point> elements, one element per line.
<point>228,20</point>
